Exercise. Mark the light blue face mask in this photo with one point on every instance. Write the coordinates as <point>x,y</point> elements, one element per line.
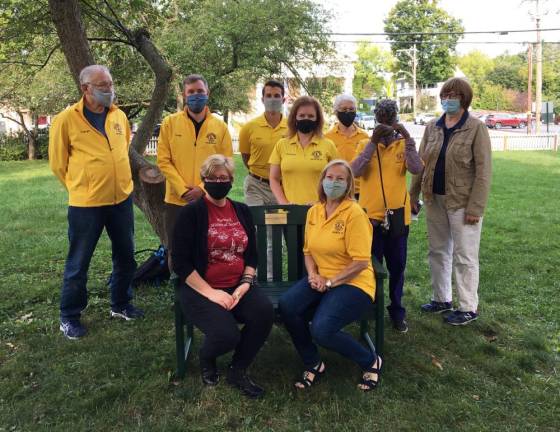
<point>104,98</point>
<point>334,189</point>
<point>451,106</point>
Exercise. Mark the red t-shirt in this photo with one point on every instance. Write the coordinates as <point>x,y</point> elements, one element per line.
<point>227,240</point>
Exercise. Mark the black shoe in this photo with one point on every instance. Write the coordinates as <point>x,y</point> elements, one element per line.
<point>238,378</point>
<point>210,376</point>
<point>209,372</point>
<point>436,307</point>
<point>400,326</point>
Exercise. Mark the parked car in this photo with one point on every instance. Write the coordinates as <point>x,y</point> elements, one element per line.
<point>367,122</point>
<point>499,120</point>
<point>424,118</point>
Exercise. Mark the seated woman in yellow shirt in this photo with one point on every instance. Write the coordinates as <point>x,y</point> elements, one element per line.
<point>297,161</point>
<point>340,285</point>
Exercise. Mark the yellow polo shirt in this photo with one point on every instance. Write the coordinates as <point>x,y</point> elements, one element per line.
<point>347,145</point>
<point>301,167</point>
<point>257,139</point>
<point>335,242</point>
<point>393,166</point>
<point>94,168</point>
<point>180,153</point>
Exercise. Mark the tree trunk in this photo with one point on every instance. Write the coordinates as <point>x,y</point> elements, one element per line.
<point>149,184</point>
<point>67,19</point>
<point>30,133</point>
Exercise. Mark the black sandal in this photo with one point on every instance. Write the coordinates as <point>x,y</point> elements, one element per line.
<point>311,376</point>
<point>371,376</point>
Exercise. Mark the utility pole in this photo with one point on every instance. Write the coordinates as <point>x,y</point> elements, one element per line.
<point>411,52</point>
<point>538,89</point>
<point>530,89</point>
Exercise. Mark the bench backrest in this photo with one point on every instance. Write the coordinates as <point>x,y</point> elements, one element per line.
<point>286,221</point>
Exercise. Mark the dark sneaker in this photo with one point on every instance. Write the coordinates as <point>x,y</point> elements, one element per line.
<point>436,307</point>
<point>400,326</point>
<point>460,318</point>
<point>210,376</point>
<point>238,378</point>
<point>209,372</point>
<point>129,312</point>
<point>72,329</point>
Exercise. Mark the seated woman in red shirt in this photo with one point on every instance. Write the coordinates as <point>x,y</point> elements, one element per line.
<point>215,257</point>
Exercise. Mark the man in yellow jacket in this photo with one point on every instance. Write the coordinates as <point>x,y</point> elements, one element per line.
<point>88,153</point>
<point>186,139</point>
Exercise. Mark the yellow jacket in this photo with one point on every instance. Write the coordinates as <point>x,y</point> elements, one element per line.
<point>180,153</point>
<point>94,169</point>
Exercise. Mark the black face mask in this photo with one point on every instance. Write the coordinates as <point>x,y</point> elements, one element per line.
<point>217,190</point>
<point>346,117</point>
<point>306,126</point>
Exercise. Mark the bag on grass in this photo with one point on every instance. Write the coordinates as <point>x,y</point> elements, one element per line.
<point>154,270</point>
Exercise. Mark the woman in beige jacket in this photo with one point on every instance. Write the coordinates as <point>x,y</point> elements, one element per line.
<point>455,184</point>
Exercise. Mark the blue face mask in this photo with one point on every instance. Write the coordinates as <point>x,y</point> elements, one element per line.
<point>196,102</point>
<point>334,189</point>
<point>451,106</point>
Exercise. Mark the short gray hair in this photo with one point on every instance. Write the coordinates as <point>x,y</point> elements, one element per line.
<point>341,98</point>
<point>88,71</point>
<point>215,161</point>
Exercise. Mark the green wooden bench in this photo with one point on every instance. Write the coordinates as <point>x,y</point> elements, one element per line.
<point>287,268</point>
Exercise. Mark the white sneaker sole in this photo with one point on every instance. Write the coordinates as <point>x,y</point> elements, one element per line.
<point>66,334</point>
<point>120,315</point>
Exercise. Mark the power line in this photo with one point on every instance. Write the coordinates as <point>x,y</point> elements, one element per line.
<point>500,32</point>
<point>439,43</point>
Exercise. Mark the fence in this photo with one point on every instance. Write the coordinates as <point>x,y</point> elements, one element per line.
<point>499,143</point>
<point>519,142</point>
<point>151,149</point>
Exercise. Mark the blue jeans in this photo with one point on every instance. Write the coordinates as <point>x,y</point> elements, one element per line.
<point>85,225</point>
<point>329,313</point>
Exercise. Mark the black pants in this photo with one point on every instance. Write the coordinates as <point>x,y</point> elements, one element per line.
<point>219,325</point>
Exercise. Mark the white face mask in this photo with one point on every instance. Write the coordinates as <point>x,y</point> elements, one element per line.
<point>104,98</point>
<point>273,104</point>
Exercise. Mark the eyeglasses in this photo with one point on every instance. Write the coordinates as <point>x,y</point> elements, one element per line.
<point>102,84</point>
<point>219,179</point>
<point>451,95</point>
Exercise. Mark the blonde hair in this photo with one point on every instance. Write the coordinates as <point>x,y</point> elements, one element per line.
<point>349,194</point>
<point>215,161</point>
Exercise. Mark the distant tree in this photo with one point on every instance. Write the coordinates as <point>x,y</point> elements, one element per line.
<point>435,51</point>
<point>510,71</point>
<point>371,69</point>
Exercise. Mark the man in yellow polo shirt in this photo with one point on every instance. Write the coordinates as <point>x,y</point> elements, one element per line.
<point>345,134</point>
<point>88,153</point>
<point>186,139</point>
<point>381,165</point>
<point>256,142</point>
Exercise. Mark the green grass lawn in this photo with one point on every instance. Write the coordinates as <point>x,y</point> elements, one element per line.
<point>499,374</point>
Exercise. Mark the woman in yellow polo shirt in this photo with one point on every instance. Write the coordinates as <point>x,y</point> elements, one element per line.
<point>297,160</point>
<point>340,285</point>
<point>345,134</point>
<point>382,164</point>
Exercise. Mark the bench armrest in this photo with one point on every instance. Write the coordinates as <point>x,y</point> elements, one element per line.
<point>379,268</point>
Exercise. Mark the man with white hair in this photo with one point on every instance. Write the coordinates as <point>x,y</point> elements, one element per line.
<point>345,133</point>
<point>88,153</point>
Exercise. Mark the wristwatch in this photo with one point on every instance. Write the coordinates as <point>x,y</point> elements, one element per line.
<point>328,284</point>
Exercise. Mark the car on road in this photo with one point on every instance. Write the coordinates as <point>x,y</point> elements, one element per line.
<point>500,120</point>
<point>424,118</point>
<point>367,122</point>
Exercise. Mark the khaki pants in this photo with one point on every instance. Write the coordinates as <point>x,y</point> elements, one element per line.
<point>257,193</point>
<point>453,245</point>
